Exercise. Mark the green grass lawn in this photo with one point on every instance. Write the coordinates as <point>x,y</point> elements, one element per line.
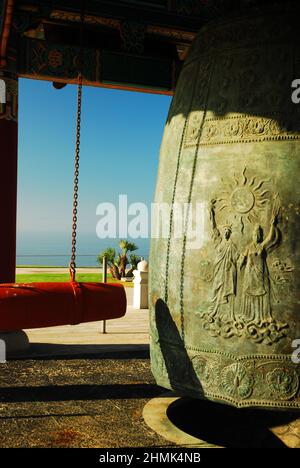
<point>63,277</point>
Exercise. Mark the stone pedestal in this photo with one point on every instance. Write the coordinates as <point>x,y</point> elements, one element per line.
<point>13,342</point>
<point>140,293</point>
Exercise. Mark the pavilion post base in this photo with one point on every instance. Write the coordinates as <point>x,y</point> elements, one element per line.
<point>12,343</point>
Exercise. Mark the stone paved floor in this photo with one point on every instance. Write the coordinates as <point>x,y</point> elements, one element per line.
<point>77,403</point>
<point>98,402</point>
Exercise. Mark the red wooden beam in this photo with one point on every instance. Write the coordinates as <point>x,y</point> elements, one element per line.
<point>38,305</point>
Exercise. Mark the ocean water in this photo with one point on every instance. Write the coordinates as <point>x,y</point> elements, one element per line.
<point>53,249</point>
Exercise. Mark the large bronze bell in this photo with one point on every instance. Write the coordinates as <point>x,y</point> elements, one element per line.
<point>225,312</point>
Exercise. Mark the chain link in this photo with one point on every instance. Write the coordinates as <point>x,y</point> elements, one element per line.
<point>77,150</point>
<point>76,180</point>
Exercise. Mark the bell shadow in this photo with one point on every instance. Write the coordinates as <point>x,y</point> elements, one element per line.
<point>80,392</point>
<point>215,423</point>
<point>229,427</point>
<point>179,367</point>
<point>52,351</point>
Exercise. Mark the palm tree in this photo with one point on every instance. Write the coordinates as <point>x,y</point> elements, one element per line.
<point>125,247</point>
<point>112,261</point>
<point>134,260</point>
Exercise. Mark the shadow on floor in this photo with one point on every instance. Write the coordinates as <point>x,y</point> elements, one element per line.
<point>78,392</point>
<point>226,426</point>
<point>47,351</point>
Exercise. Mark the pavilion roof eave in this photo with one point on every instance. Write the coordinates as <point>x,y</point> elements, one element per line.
<point>113,85</point>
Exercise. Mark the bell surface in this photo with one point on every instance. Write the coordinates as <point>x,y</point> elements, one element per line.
<point>224,274</point>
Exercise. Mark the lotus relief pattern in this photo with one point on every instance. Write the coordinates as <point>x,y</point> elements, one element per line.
<point>283,383</point>
<point>237,381</point>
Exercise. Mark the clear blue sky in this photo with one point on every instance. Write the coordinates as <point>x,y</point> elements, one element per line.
<point>121,136</point>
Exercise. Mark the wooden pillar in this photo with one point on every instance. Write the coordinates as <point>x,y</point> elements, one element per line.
<point>8,175</point>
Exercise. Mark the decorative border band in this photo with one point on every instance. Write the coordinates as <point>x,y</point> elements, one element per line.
<point>264,380</point>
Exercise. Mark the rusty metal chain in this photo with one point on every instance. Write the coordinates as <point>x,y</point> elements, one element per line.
<point>77,154</point>
<point>76,180</point>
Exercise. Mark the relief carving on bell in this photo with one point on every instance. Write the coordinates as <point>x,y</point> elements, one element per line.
<point>224,315</point>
